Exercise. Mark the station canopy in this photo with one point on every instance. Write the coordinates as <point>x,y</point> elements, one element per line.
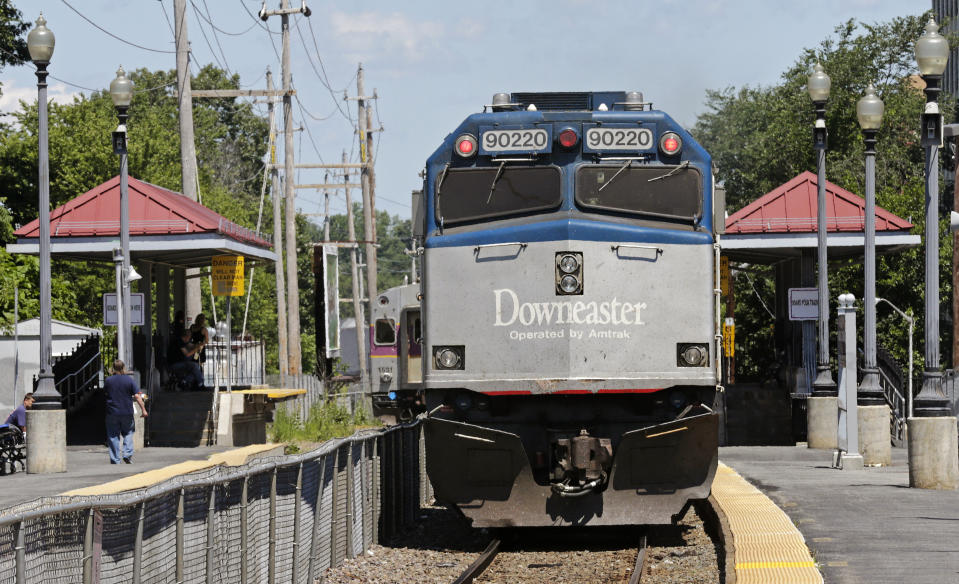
<point>781,223</point>
<point>166,228</point>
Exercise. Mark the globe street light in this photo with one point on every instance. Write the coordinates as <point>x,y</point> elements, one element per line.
<point>121,91</point>
<point>818,86</point>
<point>932,53</point>
<point>869,110</point>
<point>40,43</point>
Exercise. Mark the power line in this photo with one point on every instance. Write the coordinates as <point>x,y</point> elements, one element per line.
<point>209,46</point>
<point>210,22</point>
<point>215,36</point>
<point>132,44</point>
<point>322,77</point>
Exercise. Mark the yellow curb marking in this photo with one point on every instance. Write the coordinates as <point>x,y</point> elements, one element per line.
<point>755,565</point>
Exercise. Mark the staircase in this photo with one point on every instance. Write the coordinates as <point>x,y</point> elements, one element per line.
<point>181,419</point>
<point>78,376</point>
<point>894,386</point>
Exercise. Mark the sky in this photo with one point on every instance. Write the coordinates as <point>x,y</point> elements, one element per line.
<point>432,64</point>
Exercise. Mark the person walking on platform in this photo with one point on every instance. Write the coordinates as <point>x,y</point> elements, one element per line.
<point>120,391</point>
<point>18,417</point>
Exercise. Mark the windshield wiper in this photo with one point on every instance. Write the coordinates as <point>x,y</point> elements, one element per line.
<point>682,166</point>
<point>492,187</point>
<point>625,165</point>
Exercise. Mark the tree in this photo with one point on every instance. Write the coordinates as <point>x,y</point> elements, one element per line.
<point>761,137</point>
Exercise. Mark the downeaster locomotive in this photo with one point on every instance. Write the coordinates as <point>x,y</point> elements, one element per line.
<point>569,307</point>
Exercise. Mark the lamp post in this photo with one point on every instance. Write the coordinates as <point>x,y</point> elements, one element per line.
<point>818,87</point>
<point>40,43</point>
<point>869,110</point>
<point>932,53</point>
<point>46,420</point>
<point>932,441</point>
<point>912,324</point>
<point>121,91</point>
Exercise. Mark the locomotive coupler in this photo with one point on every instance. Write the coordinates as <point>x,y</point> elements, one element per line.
<point>581,464</point>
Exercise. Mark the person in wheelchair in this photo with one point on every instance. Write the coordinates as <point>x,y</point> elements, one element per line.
<point>18,417</point>
<point>180,359</point>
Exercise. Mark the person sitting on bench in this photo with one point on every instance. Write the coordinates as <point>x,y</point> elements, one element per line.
<point>181,359</point>
<point>18,417</point>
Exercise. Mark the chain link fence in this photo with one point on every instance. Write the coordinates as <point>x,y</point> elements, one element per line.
<point>278,519</point>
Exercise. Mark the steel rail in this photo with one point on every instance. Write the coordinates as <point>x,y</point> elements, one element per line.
<point>480,564</point>
<point>640,567</point>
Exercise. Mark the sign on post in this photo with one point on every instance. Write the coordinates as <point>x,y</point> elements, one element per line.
<point>848,439</point>
<point>725,276</point>
<point>729,337</point>
<point>227,275</point>
<point>110,307</point>
<point>803,304</point>
<point>331,289</point>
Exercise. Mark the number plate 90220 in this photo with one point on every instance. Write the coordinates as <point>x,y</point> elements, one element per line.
<point>522,140</point>
<point>618,139</point>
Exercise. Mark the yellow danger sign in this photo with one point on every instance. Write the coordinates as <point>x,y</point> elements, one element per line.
<point>729,337</point>
<point>725,276</point>
<point>227,275</point>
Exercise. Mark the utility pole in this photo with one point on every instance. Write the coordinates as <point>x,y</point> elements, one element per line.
<point>188,171</point>
<point>292,290</point>
<point>358,312</point>
<point>326,210</point>
<point>369,227</point>
<point>281,323</point>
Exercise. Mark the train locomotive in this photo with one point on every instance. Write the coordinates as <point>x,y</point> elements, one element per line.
<point>568,313</point>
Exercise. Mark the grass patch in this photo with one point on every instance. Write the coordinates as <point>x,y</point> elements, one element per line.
<point>326,420</point>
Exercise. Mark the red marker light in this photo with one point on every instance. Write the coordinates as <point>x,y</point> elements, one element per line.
<point>670,143</point>
<point>568,138</point>
<point>466,145</point>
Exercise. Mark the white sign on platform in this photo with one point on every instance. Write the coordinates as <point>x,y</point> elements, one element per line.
<point>110,309</point>
<point>803,303</point>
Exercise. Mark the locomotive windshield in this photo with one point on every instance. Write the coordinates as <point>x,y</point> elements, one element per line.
<point>469,194</point>
<point>673,192</point>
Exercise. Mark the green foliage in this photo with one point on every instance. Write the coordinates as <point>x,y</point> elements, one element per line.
<point>761,137</point>
<point>326,420</point>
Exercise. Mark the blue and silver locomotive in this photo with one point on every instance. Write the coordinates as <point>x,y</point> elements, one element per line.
<point>569,304</point>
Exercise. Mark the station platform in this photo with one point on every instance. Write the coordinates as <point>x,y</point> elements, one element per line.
<point>89,471</point>
<point>860,526</point>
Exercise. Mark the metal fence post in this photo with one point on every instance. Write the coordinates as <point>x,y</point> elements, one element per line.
<point>377,503</point>
<point>179,536</point>
<point>88,549</point>
<point>296,521</point>
<point>210,535</point>
<point>317,511</point>
<point>350,494</point>
<point>244,525</point>
<point>272,561</point>
<point>21,554</point>
<point>138,545</point>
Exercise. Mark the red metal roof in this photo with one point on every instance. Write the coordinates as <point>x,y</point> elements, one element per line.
<point>791,208</point>
<point>153,211</point>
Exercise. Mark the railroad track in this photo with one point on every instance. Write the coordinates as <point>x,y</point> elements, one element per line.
<point>485,559</point>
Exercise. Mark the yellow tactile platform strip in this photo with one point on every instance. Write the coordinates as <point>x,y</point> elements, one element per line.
<point>272,393</point>
<point>234,457</point>
<point>767,546</point>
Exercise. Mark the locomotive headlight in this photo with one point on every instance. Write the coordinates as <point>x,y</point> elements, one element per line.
<point>569,284</point>
<point>569,272</point>
<point>568,264</point>
<point>692,355</point>
<point>448,357</point>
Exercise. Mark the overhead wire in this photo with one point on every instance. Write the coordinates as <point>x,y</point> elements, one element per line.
<point>322,77</point>
<point>123,40</point>
<point>215,36</point>
<point>215,27</point>
<point>224,65</point>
